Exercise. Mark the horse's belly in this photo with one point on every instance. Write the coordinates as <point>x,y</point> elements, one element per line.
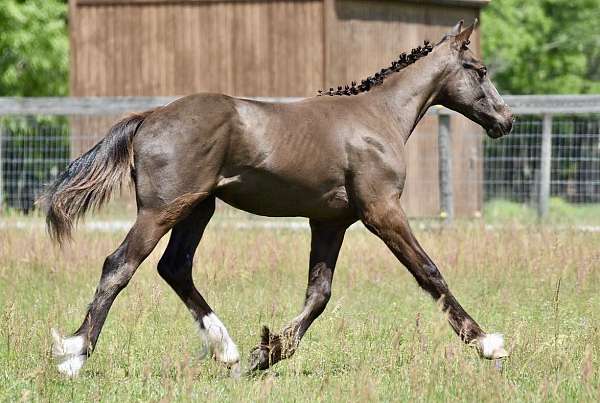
<point>267,195</point>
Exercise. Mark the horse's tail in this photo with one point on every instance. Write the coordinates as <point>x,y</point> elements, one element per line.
<point>89,181</point>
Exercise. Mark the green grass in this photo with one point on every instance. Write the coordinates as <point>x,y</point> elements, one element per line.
<point>380,338</point>
<point>560,213</point>
<point>495,212</point>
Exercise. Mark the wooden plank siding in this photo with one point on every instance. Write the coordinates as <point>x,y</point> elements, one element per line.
<point>241,48</point>
<point>271,48</point>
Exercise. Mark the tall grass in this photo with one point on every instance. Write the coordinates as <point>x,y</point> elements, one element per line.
<point>380,338</point>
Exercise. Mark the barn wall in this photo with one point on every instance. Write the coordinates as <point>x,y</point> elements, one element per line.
<point>271,48</point>
<point>170,48</point>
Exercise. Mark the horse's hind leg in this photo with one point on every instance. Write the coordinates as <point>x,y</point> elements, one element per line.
<point>326,242</point>
<point>117,270</point>
<point>175,266</point>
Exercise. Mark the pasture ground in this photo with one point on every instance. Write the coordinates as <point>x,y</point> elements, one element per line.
<point>380,338</point>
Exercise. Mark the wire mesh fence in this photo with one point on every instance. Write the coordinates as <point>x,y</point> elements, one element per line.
<point>512,164</point>
<point>34,150</point>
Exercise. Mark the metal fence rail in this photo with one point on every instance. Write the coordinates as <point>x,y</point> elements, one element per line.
<point>554,149</point>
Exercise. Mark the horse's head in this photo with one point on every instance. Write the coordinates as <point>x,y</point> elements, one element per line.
<point>467,88</point>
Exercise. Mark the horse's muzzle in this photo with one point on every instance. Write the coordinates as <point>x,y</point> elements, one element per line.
<point>502,127</point>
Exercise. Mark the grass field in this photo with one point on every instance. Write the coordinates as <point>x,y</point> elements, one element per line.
<point>560,213</point>
<point>380,338</point>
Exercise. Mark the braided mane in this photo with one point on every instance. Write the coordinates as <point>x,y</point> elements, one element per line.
<point>404,60</point>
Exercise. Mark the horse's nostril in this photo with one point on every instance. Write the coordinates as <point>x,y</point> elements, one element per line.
<point>509,125</point>
<point>509,119</point>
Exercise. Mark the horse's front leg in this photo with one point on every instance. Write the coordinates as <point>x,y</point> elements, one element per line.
<point>385,218</point>
<point>325,246</point>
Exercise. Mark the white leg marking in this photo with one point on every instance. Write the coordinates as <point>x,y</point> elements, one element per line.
<point>492,346</point>
<point>69,353</point>
<point>217,338</point>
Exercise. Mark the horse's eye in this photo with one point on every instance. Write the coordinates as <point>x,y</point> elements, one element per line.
<point>481,71</point>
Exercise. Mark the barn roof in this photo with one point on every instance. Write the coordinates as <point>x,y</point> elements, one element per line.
<point>464,3</point>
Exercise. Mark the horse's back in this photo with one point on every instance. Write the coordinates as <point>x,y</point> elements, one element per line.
<point>283,161</point>
<point>277,159</point>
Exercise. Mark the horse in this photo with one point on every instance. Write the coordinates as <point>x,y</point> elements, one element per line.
<point>336,158</point>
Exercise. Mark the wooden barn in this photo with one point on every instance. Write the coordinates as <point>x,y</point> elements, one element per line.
<point>274,48</point>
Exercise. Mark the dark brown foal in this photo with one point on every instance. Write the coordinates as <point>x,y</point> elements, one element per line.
<point>334,159</point>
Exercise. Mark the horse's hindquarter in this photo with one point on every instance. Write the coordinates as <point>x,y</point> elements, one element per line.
<point>286,160</point>
<point>179,150</point>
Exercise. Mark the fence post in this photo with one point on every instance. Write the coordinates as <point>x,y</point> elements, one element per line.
<point>545,166</point>
<point>445,167</point>
<point>1,168</point>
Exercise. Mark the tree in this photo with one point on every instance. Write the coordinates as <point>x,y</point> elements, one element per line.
<point>543,46</point>
<point>34,61</point>
<point>546,47</point>
<point>34,48</point>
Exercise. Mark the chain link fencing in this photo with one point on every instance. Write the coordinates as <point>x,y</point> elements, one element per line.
<point>34,149</point>
<point>512,164</point>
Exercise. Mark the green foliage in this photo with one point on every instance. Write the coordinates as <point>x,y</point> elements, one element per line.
<point>34,48</point>
<point>34,61</point>
<point>543,46</point>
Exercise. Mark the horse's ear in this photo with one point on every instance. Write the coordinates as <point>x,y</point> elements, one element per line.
<point>456,29</point>
<point>463,37</point>
<point>453,32</point>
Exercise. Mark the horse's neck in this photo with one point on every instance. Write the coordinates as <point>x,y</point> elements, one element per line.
<point>409,93</point>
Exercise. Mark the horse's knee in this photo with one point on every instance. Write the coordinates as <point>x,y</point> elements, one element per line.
<point>173,269</point>
<point>164,268</point>
<point>430,278</point>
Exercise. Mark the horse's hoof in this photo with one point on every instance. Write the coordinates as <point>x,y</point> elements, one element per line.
<point>491,346</point>
<point>259,359</point>
<point>69,353</point>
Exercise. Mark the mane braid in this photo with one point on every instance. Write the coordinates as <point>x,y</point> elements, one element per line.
<point>405,59</point>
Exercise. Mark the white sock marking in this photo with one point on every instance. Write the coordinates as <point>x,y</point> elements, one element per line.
<point>492,346</point>
<point>69,353</point>
<point>218,341</point>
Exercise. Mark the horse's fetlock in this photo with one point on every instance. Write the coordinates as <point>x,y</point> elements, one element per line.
<point>70,353</point>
